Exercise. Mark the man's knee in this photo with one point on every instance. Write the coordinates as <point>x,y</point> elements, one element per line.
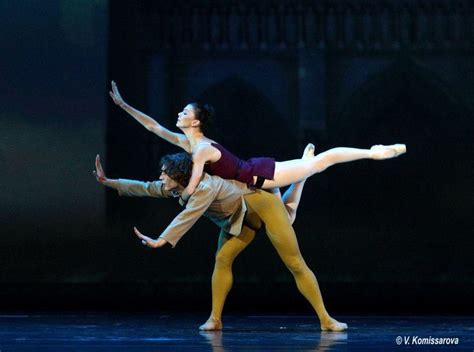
<point>296,264</point>
<point>223,259</point>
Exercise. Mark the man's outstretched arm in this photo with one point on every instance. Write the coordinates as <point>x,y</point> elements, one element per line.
<point>100,175</point>
<point>130,188</point>
<point>148,241</point>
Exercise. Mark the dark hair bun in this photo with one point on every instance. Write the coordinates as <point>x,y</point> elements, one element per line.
<point>209,110</point>
<point>205,114</point>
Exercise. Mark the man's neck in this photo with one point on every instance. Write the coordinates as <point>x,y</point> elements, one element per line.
<point>179,189</point>
<point>176,192</point>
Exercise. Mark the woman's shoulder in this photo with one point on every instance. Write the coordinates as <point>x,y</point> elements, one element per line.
<point>207,141</point>
<point>207,146</point>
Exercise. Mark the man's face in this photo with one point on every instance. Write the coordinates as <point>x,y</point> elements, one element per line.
<point>168,182</point>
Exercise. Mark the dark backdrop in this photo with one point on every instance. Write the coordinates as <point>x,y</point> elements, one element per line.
<point>383,236</point>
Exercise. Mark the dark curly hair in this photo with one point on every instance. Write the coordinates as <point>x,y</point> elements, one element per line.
<point>178,167</point>
<point>205,114</point>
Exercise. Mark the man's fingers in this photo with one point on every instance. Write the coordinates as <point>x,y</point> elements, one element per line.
<point>98,165</point>
<point>147,241</point>
<point>138,233</point>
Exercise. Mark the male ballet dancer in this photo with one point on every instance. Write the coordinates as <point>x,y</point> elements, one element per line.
<point>239,212</point>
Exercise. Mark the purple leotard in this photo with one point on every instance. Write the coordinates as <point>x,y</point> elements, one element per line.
<point>232,168</point>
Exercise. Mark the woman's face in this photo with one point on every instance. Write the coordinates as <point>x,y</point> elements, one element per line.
<point>187,118</point>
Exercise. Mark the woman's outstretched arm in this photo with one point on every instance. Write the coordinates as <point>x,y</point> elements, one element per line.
<point>149,123</point>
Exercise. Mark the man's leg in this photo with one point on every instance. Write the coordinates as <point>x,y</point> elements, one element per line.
<point>229,248</point>
<point>272,212</point>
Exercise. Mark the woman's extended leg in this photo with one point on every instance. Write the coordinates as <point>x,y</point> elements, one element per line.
<point>293,171</point>
<point>281,234</point>
<point>229,247</point>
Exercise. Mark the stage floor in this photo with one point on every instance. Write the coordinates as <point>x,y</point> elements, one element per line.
<point>178,332</point>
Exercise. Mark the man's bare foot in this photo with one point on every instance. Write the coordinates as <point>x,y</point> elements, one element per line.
<point>332,324</point>
<point>211,325</point>
<point>308,151</point>
<point>380,152</point>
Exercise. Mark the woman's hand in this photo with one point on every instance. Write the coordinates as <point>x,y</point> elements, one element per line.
<point>185,195</point>
<point>147,241</point>
<point>115,95</point>
<point>99,171</point>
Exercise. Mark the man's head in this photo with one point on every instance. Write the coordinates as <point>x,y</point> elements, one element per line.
<point>176,170</point>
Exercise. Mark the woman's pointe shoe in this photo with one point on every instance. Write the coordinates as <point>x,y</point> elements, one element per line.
<point>308,151</point>
<point>380,152</point>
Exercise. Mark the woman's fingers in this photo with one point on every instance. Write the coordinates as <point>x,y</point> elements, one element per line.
<point>114,88</point>
<point>114,98</point>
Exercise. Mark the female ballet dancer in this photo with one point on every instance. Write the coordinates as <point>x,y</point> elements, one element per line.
<point>265,173</point>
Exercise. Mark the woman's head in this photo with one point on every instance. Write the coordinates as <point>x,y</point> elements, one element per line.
<point>196,115</point>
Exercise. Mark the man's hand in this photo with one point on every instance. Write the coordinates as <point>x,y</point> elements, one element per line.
<point>147,241</point>
<point>99,171</point>
<point>115,95</point>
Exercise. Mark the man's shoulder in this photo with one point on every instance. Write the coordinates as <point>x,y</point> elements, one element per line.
<point>208,183</point>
